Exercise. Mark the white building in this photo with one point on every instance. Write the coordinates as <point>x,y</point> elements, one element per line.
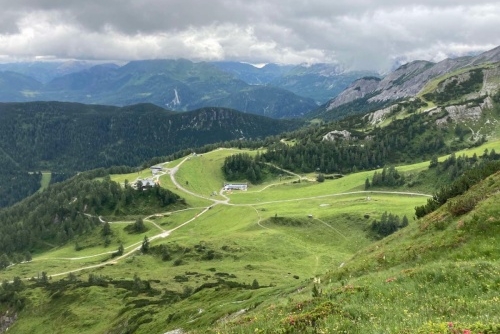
<point>235,186</point>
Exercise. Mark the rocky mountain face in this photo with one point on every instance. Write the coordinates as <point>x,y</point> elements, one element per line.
<point>357,90</point>
<point>405,82</point>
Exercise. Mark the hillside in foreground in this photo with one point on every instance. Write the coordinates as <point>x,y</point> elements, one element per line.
<point>288,255</point>
<point>438,275</point>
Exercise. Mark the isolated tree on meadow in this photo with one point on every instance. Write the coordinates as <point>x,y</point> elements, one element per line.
<point>145,244</point>
<point>139,226</point>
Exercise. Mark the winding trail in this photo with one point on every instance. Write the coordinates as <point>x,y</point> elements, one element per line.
<point>135,247</point>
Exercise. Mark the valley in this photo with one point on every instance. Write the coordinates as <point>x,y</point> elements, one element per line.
<point>241,232</point>
<point>376,213</point>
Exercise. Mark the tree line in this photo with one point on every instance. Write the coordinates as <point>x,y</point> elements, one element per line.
<point>407,140</point>
<point>388,177</point>
<point>474,171</point>
<point>388,224</point>
<point>242,166</point>
<point>71,208</point>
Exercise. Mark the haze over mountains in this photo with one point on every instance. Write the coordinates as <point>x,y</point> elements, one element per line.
<point>276,91</point>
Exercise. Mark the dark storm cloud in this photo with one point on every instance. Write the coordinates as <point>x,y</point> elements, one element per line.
<point>358,33</point>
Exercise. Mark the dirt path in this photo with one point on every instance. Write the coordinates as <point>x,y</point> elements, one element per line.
<point>330,226</point>
<point>135,247</point>
<point>131,249</point>
<point>334,195</point>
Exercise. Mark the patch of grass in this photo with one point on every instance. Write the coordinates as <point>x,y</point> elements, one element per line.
<point>203,175</point>
<point>193,201</point>
<point>44,183</point>
<point>131,177</point>
<point>285,237</point>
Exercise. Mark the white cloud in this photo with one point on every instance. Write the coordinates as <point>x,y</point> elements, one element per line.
<point>358,33</point>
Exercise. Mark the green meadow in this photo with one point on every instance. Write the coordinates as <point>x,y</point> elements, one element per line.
<point>258,252</point>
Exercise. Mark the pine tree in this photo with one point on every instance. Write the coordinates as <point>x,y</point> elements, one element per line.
<point>106,229</point>
<point>145,244</point>
<point>404,221</point>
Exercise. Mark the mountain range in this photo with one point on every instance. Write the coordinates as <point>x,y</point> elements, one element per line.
<point>405,82</point>
<point>179,85</point>
<point>385,219</point>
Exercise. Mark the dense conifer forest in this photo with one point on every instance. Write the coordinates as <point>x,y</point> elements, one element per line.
<point>66,138</point>
<point>72,208</point>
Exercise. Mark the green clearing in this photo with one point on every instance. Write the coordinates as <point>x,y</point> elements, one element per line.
<point>131,177</point>
<point>44,183</point>
<point>82,317</point>
<point>192,201</point>
<point>93,251</point>
<point>437,271</point>
<point>202,173</point>
<point>307,189</point>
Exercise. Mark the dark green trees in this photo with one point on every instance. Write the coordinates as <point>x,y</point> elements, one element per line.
<point>388,224</point>
<point>138,226</point>
<point>71,208</point>
<point>389,177</point>
<point>242,166</point>
<point>145,245</point>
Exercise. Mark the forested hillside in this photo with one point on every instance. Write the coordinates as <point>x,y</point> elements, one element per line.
<point>411,139</point>
<point>70,137</point>
<point>72,208</point>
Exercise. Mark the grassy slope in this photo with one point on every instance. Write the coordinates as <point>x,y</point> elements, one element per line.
<point>438,270</point>
<point>202,174</point>
<point>247,242</point>
<point>44,183</point>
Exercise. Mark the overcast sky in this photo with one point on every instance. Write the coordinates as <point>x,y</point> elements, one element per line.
<point>359,34</point>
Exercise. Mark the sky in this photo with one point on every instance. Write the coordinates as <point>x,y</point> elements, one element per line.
<point>358,34</point>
